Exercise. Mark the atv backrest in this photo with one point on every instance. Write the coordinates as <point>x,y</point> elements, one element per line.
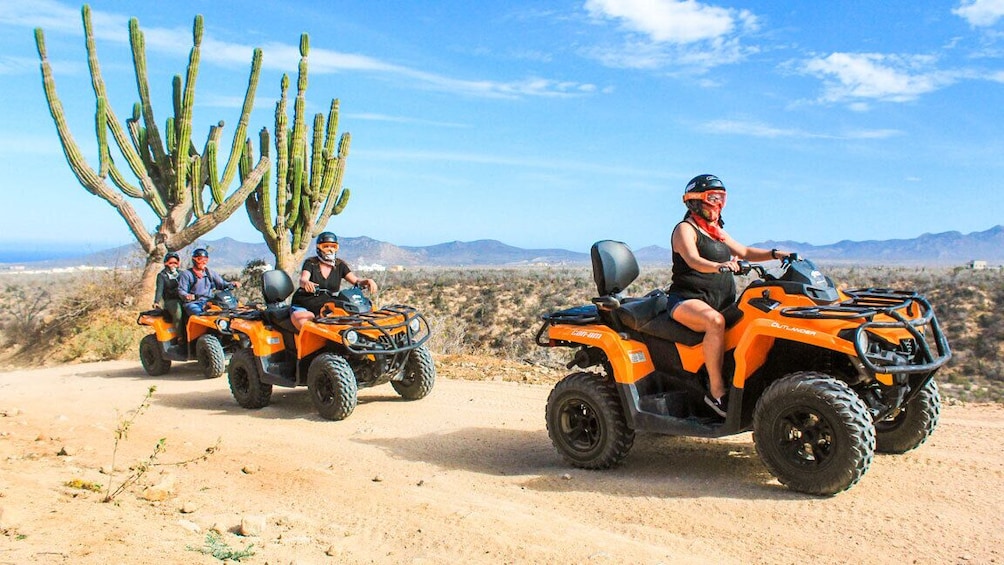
<point>276,286</point>
<point>614,266</point>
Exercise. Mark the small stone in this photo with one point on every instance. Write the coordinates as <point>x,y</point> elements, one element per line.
<point>332,551</point>
<point>250,469</point>
<point>188,507</point>
<point>252,526</point>
<point>421,482</point>
<point>566,477</point>
<point>42,437</point>
<point>66,451</point>
<point>106,470</point>
<point>190,526</point>
<point>378,479</point>
<point>10,412</point>
<point>160,491</point>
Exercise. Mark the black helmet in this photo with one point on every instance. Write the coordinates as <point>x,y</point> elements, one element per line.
<point>327,237</point>
<point>701,183</point>
<point>200,252</point>
<point>171,255</point>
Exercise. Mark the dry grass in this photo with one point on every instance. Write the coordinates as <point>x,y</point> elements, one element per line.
<point>485,312</point>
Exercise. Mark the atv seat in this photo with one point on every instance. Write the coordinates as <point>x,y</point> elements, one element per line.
<point>276,287</point>
<point>650,316</point>
<point>614,268</point>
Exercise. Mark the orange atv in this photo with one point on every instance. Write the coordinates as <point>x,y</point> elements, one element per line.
<point>347,347</point>
<point>823,377</point>
<point>207,338</point>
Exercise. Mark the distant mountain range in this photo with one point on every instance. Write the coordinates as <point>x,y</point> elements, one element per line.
<point>944,249</point>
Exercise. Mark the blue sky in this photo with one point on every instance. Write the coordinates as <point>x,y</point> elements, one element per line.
<point>556,123</point>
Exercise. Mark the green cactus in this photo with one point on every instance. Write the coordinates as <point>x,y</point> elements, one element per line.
<point>308,185</point>
<point>170,178</point>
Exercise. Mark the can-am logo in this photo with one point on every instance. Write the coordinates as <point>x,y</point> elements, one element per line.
<point>788,328</point>
<point>587,335</point>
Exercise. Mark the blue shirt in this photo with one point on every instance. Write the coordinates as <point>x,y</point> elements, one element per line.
<point>201,287</point>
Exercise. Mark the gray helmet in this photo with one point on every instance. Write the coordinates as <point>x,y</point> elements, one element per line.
<point>200,252</point>
<point>171,255</point>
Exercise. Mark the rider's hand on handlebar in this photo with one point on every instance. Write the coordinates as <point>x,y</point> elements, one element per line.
<point>728,266</point>
<point>308,286</point>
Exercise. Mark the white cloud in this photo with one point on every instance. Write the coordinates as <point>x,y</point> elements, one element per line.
<point>55,17</point>
<point>759,129</point>
<point>857,77</point>
<point>665,33</point>
<point>980,13</point>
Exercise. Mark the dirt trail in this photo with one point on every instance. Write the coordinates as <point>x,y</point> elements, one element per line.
<point>465,475</point>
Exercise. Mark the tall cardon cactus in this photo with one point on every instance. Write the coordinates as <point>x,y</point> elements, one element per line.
<point>308,178</point>
<point>172,177</point>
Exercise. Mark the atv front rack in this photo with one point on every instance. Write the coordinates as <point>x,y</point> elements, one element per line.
<point>391,340</point>
<point>868,303</point>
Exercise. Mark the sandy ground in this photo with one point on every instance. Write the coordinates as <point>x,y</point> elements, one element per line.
<point>466,475</point>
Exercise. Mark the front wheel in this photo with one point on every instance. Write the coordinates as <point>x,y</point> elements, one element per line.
<point>210,356</point>
<point>151,356</point>
<point>814,433</point>
<point>245,381</point>
<point>332,386</point>
<point>586,423</point>
<point>419,375</point>
<point>912,424</point>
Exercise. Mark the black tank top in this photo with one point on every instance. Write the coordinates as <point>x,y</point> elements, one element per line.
<point>717,289</point>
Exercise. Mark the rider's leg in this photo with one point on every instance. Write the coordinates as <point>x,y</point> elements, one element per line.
<point>700,317</point>
<point>300,316</point>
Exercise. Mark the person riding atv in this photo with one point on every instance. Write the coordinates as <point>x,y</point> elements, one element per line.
<point>204,337</point>
<point>823,377</point>
<point>347,347</point>
<point>321,276</point>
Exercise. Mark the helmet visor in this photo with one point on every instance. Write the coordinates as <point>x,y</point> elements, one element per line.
<point>713,197</point>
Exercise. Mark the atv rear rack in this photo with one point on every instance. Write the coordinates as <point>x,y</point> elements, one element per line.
<point>866,304</point>
<point>386,344</point>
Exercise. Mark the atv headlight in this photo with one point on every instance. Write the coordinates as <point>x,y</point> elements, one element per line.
<point>414,325</point>
<point>350,337</point>
<point>222,324</point>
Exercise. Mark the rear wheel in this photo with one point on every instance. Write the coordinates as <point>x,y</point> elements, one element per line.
<point>332,386</point>
<point>245,381</point>
<point>151,355</point>
<point>586,423</point>
<point>911,426</point>
<point>419,375</point>
<point>814,433</point>
<point>210,356</point>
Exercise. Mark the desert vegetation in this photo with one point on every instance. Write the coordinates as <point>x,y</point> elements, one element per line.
<point>488,312</point>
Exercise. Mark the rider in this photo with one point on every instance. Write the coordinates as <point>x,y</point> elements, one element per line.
<point>196,285</point>
<point>324,271</point>
<point>166,294</point>
<point>703,284</point>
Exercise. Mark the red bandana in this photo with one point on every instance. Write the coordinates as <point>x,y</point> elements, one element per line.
<point>712,229</point>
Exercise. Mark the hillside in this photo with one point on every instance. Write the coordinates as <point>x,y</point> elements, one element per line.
<point>941,249</point>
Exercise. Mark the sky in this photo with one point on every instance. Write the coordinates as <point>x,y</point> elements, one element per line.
<point>552,124</point>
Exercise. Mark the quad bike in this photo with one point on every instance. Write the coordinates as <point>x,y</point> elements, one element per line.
<point>207,338</point>
<point>348,347</point>
<point>823,377</point>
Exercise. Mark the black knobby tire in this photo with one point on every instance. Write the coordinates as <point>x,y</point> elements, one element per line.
<point>585,422</point>
<point>332,385</point>
<point>419,375</point>
<point>151,356</point>
<point>245,381</point>
<point>210,356</point>
<point>912,425</point>
<point>814,433</point>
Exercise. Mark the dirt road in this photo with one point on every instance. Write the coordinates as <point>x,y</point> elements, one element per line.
<point>466,475</point>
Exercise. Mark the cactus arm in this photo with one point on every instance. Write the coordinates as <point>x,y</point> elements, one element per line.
<point>207,222</point>
<point>87,177</point>
<point>242,124</point>
<point>153,139</point>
